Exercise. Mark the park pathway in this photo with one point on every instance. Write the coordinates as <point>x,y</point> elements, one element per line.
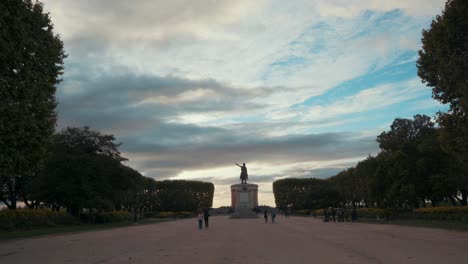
<point>292,240</point>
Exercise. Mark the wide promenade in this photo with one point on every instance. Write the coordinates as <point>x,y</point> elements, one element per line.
<point>292,240</point>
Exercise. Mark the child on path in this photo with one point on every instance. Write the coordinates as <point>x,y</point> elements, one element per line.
<point>200,219</point>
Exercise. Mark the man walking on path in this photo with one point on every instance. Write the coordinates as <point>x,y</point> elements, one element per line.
<point>265,215</point>
<point>273,216</point>
<point>206,216</point>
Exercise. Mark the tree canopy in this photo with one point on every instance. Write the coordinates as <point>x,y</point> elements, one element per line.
<point>442,62</point>
<point>443,65</point>
<point>31,62</point>
<point>411,168</point>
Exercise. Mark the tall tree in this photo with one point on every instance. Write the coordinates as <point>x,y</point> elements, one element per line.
<point>443,65</point>
<point>85,171</point>
<point>442,62</point>
<point>31,61</point>
<point>404,163</point>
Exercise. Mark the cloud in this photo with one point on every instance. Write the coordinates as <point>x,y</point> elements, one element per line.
<point>144,18</point>
<point>279,151</point>
<point>369,99</point>
<point>123,98</point>
<point>343,8</point>
<point>190,87</point>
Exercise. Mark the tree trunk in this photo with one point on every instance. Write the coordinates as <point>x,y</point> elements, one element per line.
<point>74,210</point>
<point>13,201</point>
<point>453,202</point>
<point>464,194</point>
<point>135,214</point>
<point>12,195</point>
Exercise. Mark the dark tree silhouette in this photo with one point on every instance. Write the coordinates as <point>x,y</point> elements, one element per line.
<point>31,61</point>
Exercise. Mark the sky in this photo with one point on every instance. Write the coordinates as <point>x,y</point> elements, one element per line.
<point>292,88</point>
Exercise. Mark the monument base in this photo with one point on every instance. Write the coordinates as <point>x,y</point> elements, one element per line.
<point>243,213</point>
<point>244,199</point>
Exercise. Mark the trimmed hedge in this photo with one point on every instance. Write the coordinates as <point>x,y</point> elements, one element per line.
<point>302,212</point>
<point>23,219</point>
<point>112,217</point>
<point>179,214</point>
<point>319,212</point>
<point>106,217</point>
<point>372,213</point>
<point>365,212</point>
<point>451,213</point>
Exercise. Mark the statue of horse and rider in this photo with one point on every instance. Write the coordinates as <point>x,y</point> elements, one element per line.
<point>243,175</point>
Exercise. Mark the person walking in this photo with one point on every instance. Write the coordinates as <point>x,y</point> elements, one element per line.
<point>273,216</point>
<point>354,215</point>
<point>206,217</point>
<point>265,215</point>
<point>200,219</point>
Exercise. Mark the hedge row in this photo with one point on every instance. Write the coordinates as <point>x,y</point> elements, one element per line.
<point>303,212</point>
<point>179,214</point>
<point>452,213</point>
<point>21,219</point>
<point>106,217</point>
<point>373,213</point>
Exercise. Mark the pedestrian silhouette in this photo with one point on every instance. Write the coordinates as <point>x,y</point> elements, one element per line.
<point>206,217</point>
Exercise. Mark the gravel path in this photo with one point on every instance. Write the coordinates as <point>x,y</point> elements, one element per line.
<point>292,240</point>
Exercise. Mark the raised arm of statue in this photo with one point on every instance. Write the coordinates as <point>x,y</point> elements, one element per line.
<point>238,165</point>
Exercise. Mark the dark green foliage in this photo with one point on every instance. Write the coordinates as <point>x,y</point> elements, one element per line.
<point>304,193</point>
<point>112,217</point>
<point>411,170</point>
<point>29,219</point>
<point>410,160</point>
<point>440,213</point>
<point>180,214</point>
<point>31,61</point>
<point>442,62</point>
<point>84,171</point>
<point>180,195</point>
<point>443,65</point>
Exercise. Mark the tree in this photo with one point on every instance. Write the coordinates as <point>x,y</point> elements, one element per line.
<point>31,61</point>
<point>182,195</point>
<point>443,65</point>
<point>406,161</point>
<point>85,171</point>
<point>442,62</point>
<point>303,194</point>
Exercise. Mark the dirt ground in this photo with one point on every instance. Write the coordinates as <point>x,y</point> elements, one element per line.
<point>292,240</point>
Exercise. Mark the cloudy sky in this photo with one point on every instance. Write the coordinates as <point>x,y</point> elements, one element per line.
<point>292,88</point>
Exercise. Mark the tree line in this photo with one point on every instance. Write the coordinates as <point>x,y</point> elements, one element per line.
<point>411,170</point>
<point>421,161</point>
<point>84,169</point>
<point>75,168</point>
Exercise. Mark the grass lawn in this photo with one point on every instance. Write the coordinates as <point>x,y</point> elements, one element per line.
<point>453,225</point>
<point>7,235</point>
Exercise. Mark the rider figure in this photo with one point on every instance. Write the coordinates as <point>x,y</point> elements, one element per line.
<point>243,176</point>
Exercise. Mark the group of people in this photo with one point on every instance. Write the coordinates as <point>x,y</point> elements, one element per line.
<point>272,214</point>
<point>203,216</point>
<point>339,215</point>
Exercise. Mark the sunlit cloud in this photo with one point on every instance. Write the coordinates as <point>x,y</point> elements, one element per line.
<point>292,88</point>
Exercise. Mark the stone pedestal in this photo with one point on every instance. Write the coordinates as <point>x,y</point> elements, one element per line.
<point>244,198</point>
